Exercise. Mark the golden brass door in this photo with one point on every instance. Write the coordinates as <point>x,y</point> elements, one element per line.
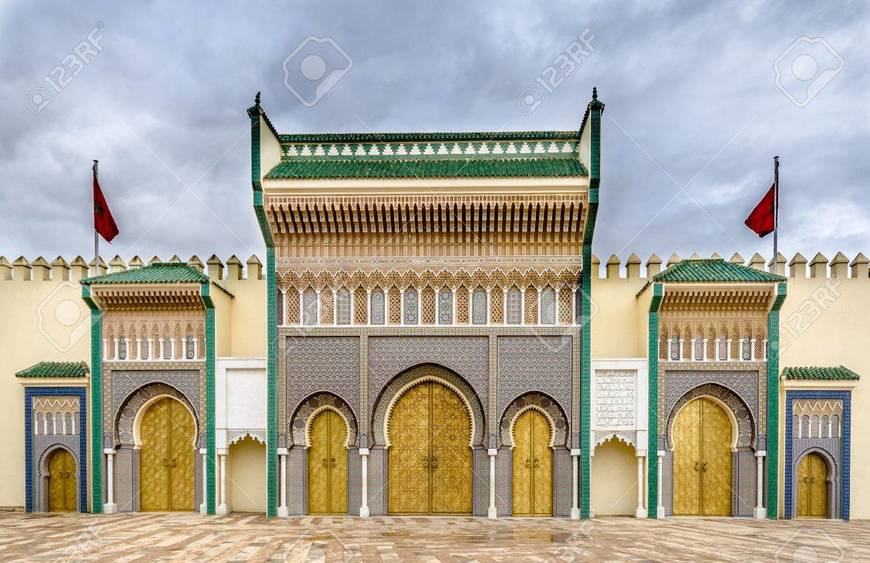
<point>532,466</point>
<point>166,463</point>
<point>327,465</point>
<point>61,481</point>
<point>702,460</point>
<point>429,460</point>
<point>812,493</point>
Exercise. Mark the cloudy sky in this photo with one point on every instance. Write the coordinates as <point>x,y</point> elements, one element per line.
<point>157,91</point>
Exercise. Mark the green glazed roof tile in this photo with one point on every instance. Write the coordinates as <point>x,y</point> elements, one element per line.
<point>713,270</point>
<point>428,168</point>
<point>55,369</point>
<point>427,137</point>
<point>813,373</point>
<point>158,272</point>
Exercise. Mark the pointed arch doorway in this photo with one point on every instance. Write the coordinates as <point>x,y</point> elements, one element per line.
<point>61,481</point>
<point>812,489</point>
<point>532,465</point>
<point>327,464</point>
<point>429,467</point>
<point>702,459</point>
<point>167,459</point>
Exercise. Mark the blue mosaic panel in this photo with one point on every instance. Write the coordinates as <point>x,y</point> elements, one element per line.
<point>790,398</point>
<point>81,457</point>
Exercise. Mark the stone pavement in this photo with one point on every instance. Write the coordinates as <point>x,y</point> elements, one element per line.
<point>251,537</point>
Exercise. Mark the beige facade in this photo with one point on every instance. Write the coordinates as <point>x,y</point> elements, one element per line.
<point>823,321</point>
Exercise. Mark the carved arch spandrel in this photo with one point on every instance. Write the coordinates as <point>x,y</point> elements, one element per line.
<point>737,410</point>
<point>418,374</point>
<point>300,422</point>
<point>540,402</point>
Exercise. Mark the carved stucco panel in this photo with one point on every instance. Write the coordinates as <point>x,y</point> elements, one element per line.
<point>317,364</point>
<point>124,383</point>
<point>539,401</point>
<point>535,363</point>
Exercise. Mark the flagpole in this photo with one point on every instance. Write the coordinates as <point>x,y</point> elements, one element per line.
<point>97,238</point>
<point>775,210</point>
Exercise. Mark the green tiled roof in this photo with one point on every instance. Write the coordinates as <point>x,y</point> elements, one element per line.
<point>838,373</point>
<point>159,272</point>
<point>428,168</point>
<point>427,137</point>
<point>714,270</point>
<point>55,369</point>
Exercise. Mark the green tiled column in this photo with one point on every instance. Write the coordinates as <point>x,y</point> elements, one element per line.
<point>211,449</point>
<point>653,397</point>
<point>773,403</point>
<point>594,122</point>
<point>271,319</point>
<point>96,402</point>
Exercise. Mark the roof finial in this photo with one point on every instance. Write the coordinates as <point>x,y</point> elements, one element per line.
<point>257,99</point>
<point>594,92</point>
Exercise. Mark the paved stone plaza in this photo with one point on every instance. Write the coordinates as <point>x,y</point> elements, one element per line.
<point>250,537</point>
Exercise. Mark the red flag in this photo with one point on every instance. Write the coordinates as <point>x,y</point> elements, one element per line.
<point>104,223</point>
<point>762,218</point>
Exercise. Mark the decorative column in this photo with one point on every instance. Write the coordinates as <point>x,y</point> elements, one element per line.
<point>183,348</point>
<point>203,508</point>
<point>282,486</point>
<point>138,348</point>
<point>760,511</point>
<point>364,471</point>
<point>222,496</point>
<point>110,507</point>
<point>640,511</point>
<point>115,351</point>
<point>660,509</point>
<point>492,512</point>
<point>575,484</point>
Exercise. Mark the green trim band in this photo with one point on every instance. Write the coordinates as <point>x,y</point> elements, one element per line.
<point>96,402</point>
<point>773,402</point>
<point>594,114</point>
<point>652,455</point>
<point>271,369</point>
<point>254,113</point>
<point>211,447</point>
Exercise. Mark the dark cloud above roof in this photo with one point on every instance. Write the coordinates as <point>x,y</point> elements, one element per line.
<point>695,110</point>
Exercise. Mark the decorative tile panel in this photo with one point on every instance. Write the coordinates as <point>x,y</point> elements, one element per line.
<point>535,363</point>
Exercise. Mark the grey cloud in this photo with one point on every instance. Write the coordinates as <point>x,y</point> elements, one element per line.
<point>689,88</point>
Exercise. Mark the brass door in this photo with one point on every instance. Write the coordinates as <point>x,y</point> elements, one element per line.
<point>61,481</point>
<point>702,460</point>
<point>532,466</point>
<point>166,478</point>
<point>812,493</point>
<point>429,460</point>
<point>327,465</point>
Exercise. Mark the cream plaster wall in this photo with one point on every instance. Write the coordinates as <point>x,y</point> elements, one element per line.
<point>65,336</point>
<point>614,479</point>
<point>826,322</point>
<point>248,329</point>
<point>246,476</point>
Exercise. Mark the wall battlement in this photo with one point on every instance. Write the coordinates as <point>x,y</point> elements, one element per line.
<point>78,268</point>
<point>798,267</point>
